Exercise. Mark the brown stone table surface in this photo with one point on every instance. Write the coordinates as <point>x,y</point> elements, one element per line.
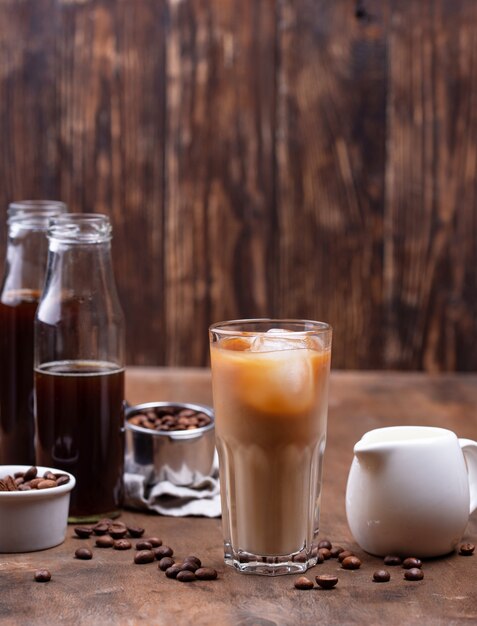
<point>110,589</point>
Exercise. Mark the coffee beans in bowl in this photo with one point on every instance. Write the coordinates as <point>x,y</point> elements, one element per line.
<point>170,441</point>
<point>34,504</point>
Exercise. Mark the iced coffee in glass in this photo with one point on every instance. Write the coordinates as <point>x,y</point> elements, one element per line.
<point>270,391</point>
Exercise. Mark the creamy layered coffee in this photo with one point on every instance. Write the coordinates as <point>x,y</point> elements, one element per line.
<point>270,399</point>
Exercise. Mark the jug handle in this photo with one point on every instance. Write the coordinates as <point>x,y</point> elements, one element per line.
<point>469,449</point>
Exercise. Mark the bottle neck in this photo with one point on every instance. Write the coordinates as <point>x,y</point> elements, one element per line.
<point>25,266</point>
<point>81,269</point>
<point>27,248</point>
<point>79,317</point>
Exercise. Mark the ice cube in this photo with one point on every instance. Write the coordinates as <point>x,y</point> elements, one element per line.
<point>277,339</point>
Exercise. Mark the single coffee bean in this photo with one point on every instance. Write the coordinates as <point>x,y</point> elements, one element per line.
<point>185,576</point>
<point>336,551</point>
<point>411,562</point>
<point>46,483</point>
<point>117,532</point>
<point>324,543</point>
<point>172,571</point>
<point>105,541</point>
<point>30,473</point>
<point>414,574</point>
<point>100,529</point>
<point>122,544</point>
<point>62,480</point>
<point>325,553</point>
<point>206,573</point>
<point>155,543</point>
<point>135,531</point>
<point>351,562</point>
<point>35,482</point>
<point>189,566</point>
<point>162,551</point>
<point>50,476</point>
<point>194,559</point>
<point>392,560</point>
<point>84,554</point>
<point>319,558</point>
<point>343,555</point>
<point>381,576</point>
<point>327,581</point>
<point>467,549</point>
<point>144,556</point>
<point>42,576</point>
<point>165,563</point>
<point>143,545</point>
<point>303,583</point>
<point>83,532</point>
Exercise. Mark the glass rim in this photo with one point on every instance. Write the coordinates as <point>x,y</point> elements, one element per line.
<point>232,328</point>
<point>81,228</point>
<point>33,206</point>
<point>34,214</point>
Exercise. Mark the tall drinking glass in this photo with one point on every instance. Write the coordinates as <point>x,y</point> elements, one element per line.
<point>270,390</point>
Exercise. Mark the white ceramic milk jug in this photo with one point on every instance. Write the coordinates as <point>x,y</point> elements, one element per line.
<point>410,490</point>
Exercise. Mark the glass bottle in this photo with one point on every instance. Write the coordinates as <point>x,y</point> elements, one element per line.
<point>79,366</point>
<point>23,279</point>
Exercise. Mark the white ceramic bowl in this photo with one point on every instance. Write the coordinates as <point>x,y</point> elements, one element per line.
<point>36,519</point>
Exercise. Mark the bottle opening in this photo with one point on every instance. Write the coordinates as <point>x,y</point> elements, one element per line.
<point>34,214</point>
<point>81,228</point>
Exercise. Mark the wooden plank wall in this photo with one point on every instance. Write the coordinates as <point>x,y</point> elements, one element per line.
<point>289,158</point>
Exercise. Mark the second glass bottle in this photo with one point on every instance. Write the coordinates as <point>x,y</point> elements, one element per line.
<point>79,366</point>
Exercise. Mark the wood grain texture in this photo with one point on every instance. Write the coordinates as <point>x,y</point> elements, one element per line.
<point>260,158</point>
<point>431,173</point>
<point>219,168</point>
<point>330,178</point>
<point>110,589</point>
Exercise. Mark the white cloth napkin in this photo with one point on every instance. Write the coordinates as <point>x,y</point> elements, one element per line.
<point>168,499</point>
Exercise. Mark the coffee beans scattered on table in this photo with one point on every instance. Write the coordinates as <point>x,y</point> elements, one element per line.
<point>148,550</point>
<point>381,576</point>
<point>42,576</point>
<point>26,481</point>
<point>170,418</point>
<point>414,574</point>
<point>467,549</point>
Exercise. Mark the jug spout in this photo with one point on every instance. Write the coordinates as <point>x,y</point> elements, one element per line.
<point>370,454</point>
